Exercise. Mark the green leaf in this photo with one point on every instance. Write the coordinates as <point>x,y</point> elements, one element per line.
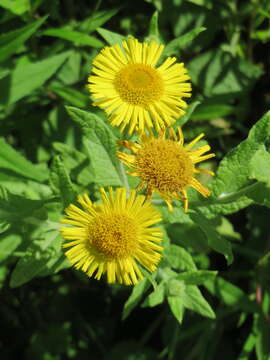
<point>156,297</point>
<point>97,19</point>
<point>206,3</point>
<point>101,145</point>
<point>198,277</point>
<point>225,228</point>
<point>15,208</point>
<point>217,72</point>
<point>12,160</point>
<point>259,166</point>
<point>215,241</point>
<point>70,72</point>
<point>77,163</point>
<point>4,226</point>
<point>262,330</point>
<point>18,7</point>
<point>212,111</point>
<point>193,300</point>
<point>10,42</point>
<point>55,265</point>
<point>17,184</point>
<point>181,42</point>
<point>27,77</point>
<point>177,307</point>
<point>8,243</point>
<point>156,3</point>
<point>153,28</point>
<point>175,216</point>
<point>260,132</point>
<point>263,35</point>
<point>259,193</point>
<point>175,287</point>
<point>111,37</point>
<point>74,97</point>
<point>263,270</point>
<point>191,297</point>
<point>264,13</point>
<point>3,73</point>
<point>179,258</point>
<point>248,347</point>
<point>232,185</point>
<point>230,294</point>
<point>150,276</point>
<point>76,37</point>
<point>40,255</point>
<point>135,297</point>
<point>105,170</point>
<point>189,235</point>
<point>61,182</point>
<point>189,113</point>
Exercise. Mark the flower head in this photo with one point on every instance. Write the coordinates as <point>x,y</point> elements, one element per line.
<point>113,236</point>
<point>166,166</point>
<point>134,91</point>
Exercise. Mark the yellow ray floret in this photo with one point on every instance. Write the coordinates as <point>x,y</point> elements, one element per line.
<point>113,237</point>
<point>136,93</point>
<point>166,165</point>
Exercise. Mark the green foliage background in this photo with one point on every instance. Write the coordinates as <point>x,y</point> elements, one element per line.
<point>210,297</point>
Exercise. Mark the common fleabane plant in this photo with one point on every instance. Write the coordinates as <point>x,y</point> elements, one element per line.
<point>120,227</point>
<point>112,201</point>
<point>107,238</point>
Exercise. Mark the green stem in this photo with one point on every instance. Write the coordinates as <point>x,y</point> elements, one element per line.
<point>149,332</point>
<point>226,198</point>
<point>230,197</point>
<point>173,343</point>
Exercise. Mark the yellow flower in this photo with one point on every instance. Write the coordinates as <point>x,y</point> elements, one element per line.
<point>113,236</point>
<point>166,166</point>
<point>134,91</point>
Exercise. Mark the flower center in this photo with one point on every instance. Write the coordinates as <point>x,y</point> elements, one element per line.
<point>139,84</point>
<point>164,165</point>
<point>114,235</point>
